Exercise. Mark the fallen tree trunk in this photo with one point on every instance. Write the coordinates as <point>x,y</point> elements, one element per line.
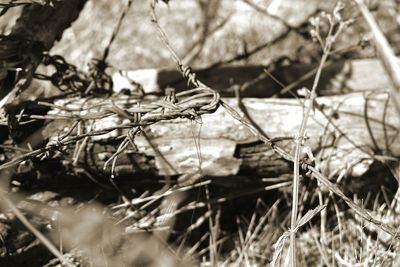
<point>346,134</point>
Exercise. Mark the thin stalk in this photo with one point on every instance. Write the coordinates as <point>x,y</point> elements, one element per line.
<point>299,141</point>
<point>386,54</point>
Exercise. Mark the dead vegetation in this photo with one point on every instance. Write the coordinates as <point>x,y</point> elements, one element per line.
<point>279,146</point>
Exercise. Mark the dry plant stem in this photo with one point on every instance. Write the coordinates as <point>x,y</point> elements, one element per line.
<point>387,55</point>
<point>212,238</point>
<point>34,231</point>
<point>321,179</point>
<point>116,29</point>
<point>299,142</point>
<point>358,210</point>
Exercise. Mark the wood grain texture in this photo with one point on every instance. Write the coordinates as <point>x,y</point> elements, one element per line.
<point>346,134</point>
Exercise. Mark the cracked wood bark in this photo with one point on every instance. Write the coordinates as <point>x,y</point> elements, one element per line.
<point>228,148</point>
<point>41,26</point>
<point>348,134</point>
<point>277,118</point>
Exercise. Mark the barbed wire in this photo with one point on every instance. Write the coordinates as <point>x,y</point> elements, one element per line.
<point>67,77</point>
<point>189,104</point>
<point>95,81</point>
<point>304,163</point>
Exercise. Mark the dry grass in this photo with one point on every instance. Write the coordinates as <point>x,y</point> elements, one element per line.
<point>136,231</point>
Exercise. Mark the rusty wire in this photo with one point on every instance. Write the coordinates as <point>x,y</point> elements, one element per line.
<point>189,104</point>
<point>304,163</point>
<point>67,77</point>
<point>96,81</point>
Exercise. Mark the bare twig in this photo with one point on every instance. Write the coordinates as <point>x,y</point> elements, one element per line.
<point>322,179</point>
<point>209,13</point>
<point>386,53</point>
<point>116,29</point>
<point>336,25</point>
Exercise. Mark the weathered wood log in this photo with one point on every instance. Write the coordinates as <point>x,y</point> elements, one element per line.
<point>338,135</point>
<point>347,133</point>
<point>281,118</point>
<point>227,148</point>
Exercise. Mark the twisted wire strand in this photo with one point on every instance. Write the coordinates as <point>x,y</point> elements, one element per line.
<point>306,166</point>
<point>190,104</point>
<point>96,81</point>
